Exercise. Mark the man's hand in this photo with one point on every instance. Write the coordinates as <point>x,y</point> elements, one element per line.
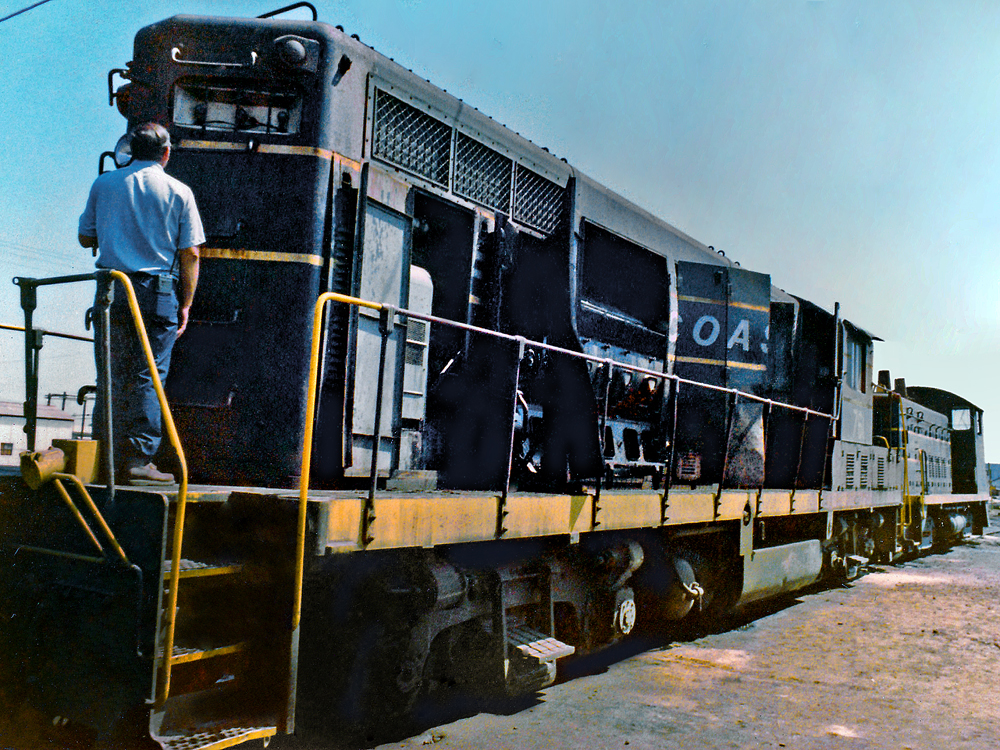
<point>90,242</point>
<point>182,319</point>
<point>190,266</point>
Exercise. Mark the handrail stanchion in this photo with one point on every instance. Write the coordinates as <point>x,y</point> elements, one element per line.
<point>307,441</point>
<point>675,389</point>
<point>168,425</point>
<point>386,323</point>
<point>105,296</point>
<point>32,343</point>
<point>766,428</point>
<point>502,504</point>
<point>730,422</point>
<point>307,435</point>
<point>802,444</point>
<point>606,370</point>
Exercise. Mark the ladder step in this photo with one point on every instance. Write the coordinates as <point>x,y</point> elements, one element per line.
<point>183,654</point>
<point>195,569</point>
<point>538,646</point>
<point>217,739</point>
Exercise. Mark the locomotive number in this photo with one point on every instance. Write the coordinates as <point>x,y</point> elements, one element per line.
<point>707,329</point>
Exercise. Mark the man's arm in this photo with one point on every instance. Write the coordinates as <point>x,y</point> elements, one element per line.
<point>190,265</point>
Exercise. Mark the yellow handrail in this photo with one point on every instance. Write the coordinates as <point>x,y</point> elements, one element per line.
<point>307,436</point>
<point>163,688</point>
<point>92,507</point>
<point>40,467</point>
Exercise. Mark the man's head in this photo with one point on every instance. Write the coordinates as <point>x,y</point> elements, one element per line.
<point>150,142</point>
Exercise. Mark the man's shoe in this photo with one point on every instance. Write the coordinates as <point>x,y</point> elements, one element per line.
<point>149,475</point>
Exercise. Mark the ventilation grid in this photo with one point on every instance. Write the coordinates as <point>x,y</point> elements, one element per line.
<point>880,473</point>
<point>481,174</point>
<point>849,471</point>
<point>537,201</point>
<point>863,484</point>
<point>416,341</point>
<point>411,139</point>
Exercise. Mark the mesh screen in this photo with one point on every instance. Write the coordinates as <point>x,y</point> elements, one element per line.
<point>482,174</point>
<point>414,355</point>
<point>411,139</point>
<point>416,330</point>
<point>537,201</point>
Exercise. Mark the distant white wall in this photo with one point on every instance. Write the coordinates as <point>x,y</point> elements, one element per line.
<point>13,439</point>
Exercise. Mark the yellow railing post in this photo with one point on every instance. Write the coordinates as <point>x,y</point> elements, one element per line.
<point>307,435</point>
<point>163,689</point>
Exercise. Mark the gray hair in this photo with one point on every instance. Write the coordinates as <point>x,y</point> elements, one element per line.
<point>150,142</point>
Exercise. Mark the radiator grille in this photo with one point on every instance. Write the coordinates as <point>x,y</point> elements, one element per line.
<point>411,139</point>
<point>482,174</point>
<point>537,201</point>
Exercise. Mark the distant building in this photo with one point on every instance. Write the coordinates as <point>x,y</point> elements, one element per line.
<point>53,424</point>
<point>993,471</point>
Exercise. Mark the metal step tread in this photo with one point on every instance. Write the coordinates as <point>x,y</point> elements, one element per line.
<point>537,645</point>
<point>196,569</point>
<point>184,654</point>
<point>216,739</point>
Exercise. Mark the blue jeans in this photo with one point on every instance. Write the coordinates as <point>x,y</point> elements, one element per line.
<point>136,418</point>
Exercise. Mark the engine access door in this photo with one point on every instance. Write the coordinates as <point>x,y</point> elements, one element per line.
<point>722,328</point>
<point>382,276</point>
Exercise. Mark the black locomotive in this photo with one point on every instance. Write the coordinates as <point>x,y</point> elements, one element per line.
<point>570,418</point>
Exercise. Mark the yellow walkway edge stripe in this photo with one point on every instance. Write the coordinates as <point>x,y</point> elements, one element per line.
<point>225,253</point>
<point>720,363</point>
<point>262,148</point>
<point>721,302</point>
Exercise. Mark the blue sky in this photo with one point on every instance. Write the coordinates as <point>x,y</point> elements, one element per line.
<point>849,149</point>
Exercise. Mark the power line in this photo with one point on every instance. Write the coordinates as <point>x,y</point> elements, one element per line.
<point>23,10</point>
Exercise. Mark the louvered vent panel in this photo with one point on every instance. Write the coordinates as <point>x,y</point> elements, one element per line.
<point>863,483</point>
<point>849,471</point>
<point>537,201</point>
<point>880,472</point>
<point>482,174</point>
<point>411,139</point>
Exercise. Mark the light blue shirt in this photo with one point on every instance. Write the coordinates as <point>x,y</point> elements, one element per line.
<point>141,217</point>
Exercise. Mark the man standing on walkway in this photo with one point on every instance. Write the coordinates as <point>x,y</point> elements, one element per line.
<point>141,221</point>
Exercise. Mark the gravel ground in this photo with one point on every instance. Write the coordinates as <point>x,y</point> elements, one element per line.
<point>906,657</point>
